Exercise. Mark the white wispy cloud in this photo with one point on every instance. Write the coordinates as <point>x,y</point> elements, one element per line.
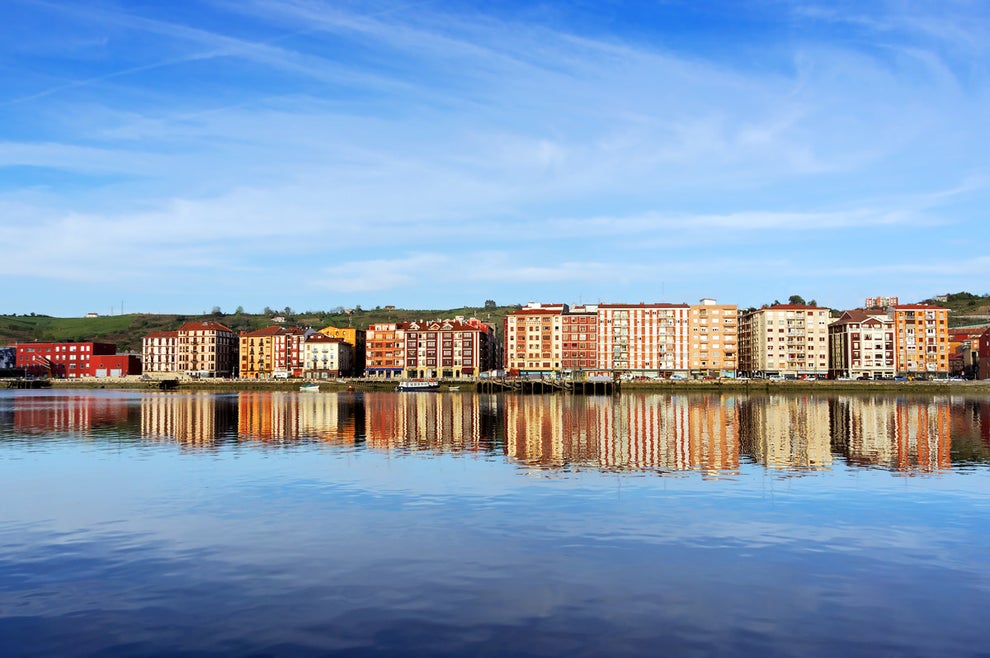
<point>433,132</point>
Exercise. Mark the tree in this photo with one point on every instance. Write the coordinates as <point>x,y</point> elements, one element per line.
<point>239,310</point>
<point>490,303</point>
<point>796,299</point>
<point>268,311</point>
<point>216,312</point>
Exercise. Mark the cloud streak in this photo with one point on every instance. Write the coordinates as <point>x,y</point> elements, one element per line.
<point>269,137</point>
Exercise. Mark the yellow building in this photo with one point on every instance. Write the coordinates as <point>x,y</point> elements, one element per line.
<point>356,338</point>
<point>258,353</point>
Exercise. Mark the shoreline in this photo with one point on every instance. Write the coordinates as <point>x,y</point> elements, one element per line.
<point>359,385</point>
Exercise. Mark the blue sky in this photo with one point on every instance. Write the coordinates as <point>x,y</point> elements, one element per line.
<point>173,157</point>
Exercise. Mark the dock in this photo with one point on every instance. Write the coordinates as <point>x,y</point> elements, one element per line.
<point>543,386</point>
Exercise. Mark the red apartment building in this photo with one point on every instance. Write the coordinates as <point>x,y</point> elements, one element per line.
<point>74,360</point>
<point>448,348</point>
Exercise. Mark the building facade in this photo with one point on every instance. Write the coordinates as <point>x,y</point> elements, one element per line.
<point>579,341</point>
<point>206,349</point>
<point>448,348</point>
<point>115,365</point>
<point>160,352</point>
<point>533,341</point>
<point>385,350</point>
<point>356,338</point>
<point>273,351</point>
<point>60,360</point>
<point>861,346</point>
<point>880,302</point>
<point>713,335</point>
<point>921,334</point>
<point>983,356</point>
<point>325,357</point>
<point>8,358</point>
<point>784,340</point>
<point>643,339</point>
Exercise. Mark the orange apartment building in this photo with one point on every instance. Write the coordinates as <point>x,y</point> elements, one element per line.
<point>385,350</point>
<point>713,347</point>
<point>533,339</point>
<point>921,335</point>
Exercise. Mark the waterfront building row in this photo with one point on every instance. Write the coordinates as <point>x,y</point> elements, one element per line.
<point>710,339</point>
<point>707,339</point>
<point>458,347</point>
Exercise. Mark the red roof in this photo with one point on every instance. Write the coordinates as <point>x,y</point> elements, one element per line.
<point>918,307</point>
<point>323,338</point>
<point>204,325</point>
<point>860,316</point>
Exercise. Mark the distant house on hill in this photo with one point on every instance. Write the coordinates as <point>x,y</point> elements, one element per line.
<point>92,315</point>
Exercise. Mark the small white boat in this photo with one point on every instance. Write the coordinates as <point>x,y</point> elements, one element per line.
<point>418,385</point>
<point>453,388</point>
<point>310,388</point>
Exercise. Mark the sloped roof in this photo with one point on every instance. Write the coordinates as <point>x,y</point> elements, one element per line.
<point>205,325</point>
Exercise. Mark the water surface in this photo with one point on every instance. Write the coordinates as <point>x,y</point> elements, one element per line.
<point>258,523</point>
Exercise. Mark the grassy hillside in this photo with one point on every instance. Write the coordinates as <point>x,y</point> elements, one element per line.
<point>126,331</point>
<point>965,308</point>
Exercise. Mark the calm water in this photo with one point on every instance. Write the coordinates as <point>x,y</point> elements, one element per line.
<point>427,524</point>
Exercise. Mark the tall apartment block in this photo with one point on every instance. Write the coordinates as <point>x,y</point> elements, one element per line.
<point>880,302</point>
<point>160,352</point>
<point>650,340</point>
<point>206,349</point>
<point>713,347</point>
<point>385,349</point>
<point>921,335</point>
<point>534,339</point>
<point>789,340</point>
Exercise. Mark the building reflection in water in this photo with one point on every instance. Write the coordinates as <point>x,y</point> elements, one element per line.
<point>77,415</point>
<point>193,420</point>
<point>650,432</point>
<point>698,432</point>
<point>786,432</point>
<point>431,421</point>
<point>912,435</point>
<point>290,417</point>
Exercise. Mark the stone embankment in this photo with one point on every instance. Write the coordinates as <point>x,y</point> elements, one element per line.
<point>742,386</point>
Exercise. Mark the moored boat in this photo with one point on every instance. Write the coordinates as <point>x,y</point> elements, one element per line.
<point>310,388</point>
<point>418,385</point>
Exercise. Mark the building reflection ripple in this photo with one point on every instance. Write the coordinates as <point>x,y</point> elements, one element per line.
<point>711,434</point>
